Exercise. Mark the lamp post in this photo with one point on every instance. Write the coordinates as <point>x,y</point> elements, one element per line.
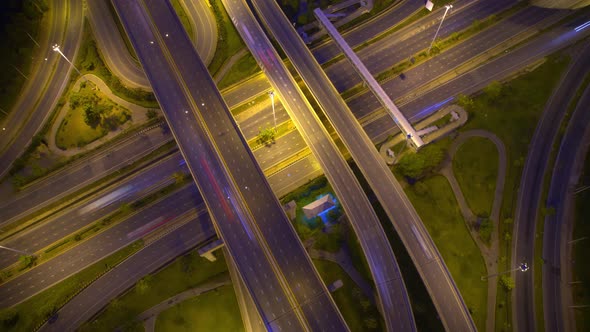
<point>272,99</point>
<point>438,29</point>
<point>56,49</point>
<point>16,250</point>
<point>522,267</point>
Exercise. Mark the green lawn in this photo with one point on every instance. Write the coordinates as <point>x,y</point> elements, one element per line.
<point>36,309</point>
<point>359,313</point>
<point>74,132</point>
<point>242,69</point>
<point>476,168</point>
<point>581,271</point>
<point>216,310</point>
<point>229,42</point>
<point>185,272</point>
<point>512,114</point>
<point>439,211</point>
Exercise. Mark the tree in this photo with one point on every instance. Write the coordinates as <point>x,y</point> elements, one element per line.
<point>494,89</point>
<point>507,283</point>
<point>144,284</point>
<point>416,165</point>
<point>27,260</point>
<point>266,136</point>
<point>8,317</point>
<point>92,116</point>
<point>485,229</point>
<point>178,177</point>
<point>464,101</point>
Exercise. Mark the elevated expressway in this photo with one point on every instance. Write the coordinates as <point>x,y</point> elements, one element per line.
<point>393,297</point>
<point>271,261</point>
<point>371,82</point>
<point>428,261</point>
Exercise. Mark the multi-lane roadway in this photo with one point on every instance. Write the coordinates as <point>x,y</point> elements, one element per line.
<point>286,288</point>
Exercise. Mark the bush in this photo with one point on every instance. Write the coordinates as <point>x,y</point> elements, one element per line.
<point>416,165</point>
<point>485,230</point>
<point>507,283</point>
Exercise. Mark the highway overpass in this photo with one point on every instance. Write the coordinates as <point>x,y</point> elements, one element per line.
<point>392,295</point>
<point>270,259</point>
<point>429,263</point>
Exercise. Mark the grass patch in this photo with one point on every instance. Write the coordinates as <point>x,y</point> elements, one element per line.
<point>37,309</point>
<point>21,22</point>
<point>183,17</point>
<point>241,70</point>
<point>229,42</point>
<point>439,211</point>
<point>476,168</point>
<point>581,272</point>
<point>74,131</point>
<point>184,273</point>
<point>512,114</point>
<point>90,61</point>
<point>216,310</point>
<point>359,313</point>
<point>309,228</point>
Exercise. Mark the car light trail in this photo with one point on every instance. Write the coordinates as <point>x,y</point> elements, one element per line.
<point>582,27</point>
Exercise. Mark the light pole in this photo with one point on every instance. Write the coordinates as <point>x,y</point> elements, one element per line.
<point>15,250</point>
<point>438,29</point>
<point>56,49</point>
<point>272,99</point>
<point>522,267</point>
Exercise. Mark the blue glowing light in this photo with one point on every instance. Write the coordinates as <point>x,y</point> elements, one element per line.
<point>582,27</point>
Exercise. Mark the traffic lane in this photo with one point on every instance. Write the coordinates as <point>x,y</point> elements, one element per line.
<point>295,175</point>
<point>264,206</point>
<point>100,293</point>
<point>280,149</point>
<point>529,195</point>
<point>33,87</point>
<point>260,116</point>
<point>425,72</point>
<point>283,82</point>
<point>80,174</point>
<point>73,219</point>
<point>380,56</point>
<point>379,254</point>
<point>368,30</point>
<point>87,252</point>
<point>41,100</point>
<point>569,151</point>
<point>420,106</point>
<point>114,50</point>
<point>253,87</point>
<point>205,28</point>
<point>195,147</point>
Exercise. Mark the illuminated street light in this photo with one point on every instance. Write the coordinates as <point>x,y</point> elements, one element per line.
<point>16,250</point>
<point>437,30</point>
<point>56,49</point>
<point>522,267</point>
<point>272,98</point>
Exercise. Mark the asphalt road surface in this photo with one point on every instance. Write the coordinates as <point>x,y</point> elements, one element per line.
<point>40,97</point>
<point>530,190</point>
<point>207,136</point>
<point>96,296</point>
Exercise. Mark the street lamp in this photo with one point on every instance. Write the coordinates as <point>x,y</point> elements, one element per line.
<point>522,267</point>
<point>437,30</point>
<point>16,250</point>
<point>272,99</point>
<point>56,49</point>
